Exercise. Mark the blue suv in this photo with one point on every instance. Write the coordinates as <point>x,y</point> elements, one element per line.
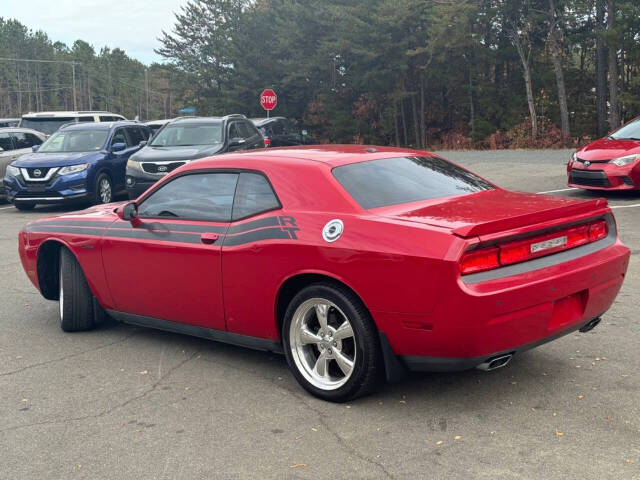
<point>80,162</point>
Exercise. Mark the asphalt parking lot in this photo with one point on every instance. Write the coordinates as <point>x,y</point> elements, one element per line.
<point>123,402</point>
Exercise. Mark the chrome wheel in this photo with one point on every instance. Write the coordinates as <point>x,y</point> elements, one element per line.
<point>104,190</point>
<point>322,342</point>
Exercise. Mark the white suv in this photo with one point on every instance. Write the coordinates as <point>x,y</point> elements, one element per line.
<point>49,122</point>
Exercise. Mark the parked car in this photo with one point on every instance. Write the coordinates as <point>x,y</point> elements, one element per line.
<point>155,125</point>
<point>280,132</point>
<point>355,262</point>
<point>9,122</point>
<point>611,163</point>
<point>49,122</point>
<point>13,143</point>
<point>84,161</point>
<point>186,139</point>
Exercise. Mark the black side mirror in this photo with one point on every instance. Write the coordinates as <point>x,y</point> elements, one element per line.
<point>118,147</point>
<point>35,148</point>
<point>129,213</point>
<point>236,141</point>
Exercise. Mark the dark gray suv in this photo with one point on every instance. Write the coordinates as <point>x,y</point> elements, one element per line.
<point>185,139</point>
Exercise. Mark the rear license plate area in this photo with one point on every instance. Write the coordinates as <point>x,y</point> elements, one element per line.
<point>568,309</point>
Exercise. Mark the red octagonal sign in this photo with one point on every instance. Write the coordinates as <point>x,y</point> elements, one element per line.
<point>268,99</point>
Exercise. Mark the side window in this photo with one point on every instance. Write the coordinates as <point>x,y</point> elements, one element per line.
<point>201,196</point>
<point>233,131</point>
<point>120,137</point>
<point>21,140</point>
<point>254,195</point>
<point>277,128</point>
<point>136,135</point>
<point>5,142</point>
<point>107,118</point>
<point>86,119</point>
<point>251,128</point>
<point>244,131</point>
<point>34,139</point>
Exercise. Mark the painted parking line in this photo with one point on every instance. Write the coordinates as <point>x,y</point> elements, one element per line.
<point>556,191</point>
<point>7,208</point>
<point>625,206</point>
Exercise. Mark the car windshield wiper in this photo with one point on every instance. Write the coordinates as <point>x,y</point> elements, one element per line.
<point>167,213</point>
<point>623,138</point>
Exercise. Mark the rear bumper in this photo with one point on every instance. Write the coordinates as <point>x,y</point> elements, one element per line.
<point>473,322</point>
<point>448,364</point>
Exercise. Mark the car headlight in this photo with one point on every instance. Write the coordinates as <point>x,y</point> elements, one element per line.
<point>13,171</point>
<point>73,169</point>
<point>622,161</point>
<point>133,165</point>
<point>574,157</point>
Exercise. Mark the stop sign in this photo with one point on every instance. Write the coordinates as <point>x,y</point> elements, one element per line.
<point>268,99</point>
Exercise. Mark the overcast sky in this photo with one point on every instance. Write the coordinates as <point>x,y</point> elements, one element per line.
<point>132,25</point>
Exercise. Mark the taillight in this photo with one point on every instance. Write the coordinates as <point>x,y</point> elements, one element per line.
<point>508,253</point>
<point>267,142</point>
<point>598,231</point>
<point>479,260</point>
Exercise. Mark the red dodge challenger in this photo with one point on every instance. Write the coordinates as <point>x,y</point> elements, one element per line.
<point>359,263</point>
<point>610,163</point>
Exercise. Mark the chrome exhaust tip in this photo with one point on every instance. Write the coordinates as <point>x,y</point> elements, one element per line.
<point>591,325</point>
<point>495,362</point>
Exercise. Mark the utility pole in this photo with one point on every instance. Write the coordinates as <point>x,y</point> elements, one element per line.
<point>73,75</point>
<point>146,89</point>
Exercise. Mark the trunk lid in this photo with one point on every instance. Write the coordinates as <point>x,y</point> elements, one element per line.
<point>492,211</point>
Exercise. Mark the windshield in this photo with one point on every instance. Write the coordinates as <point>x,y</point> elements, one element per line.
<point>75,141</point>
<point>630,131</point>
<point>46,125</point>
<point>391,181</point>
<point>187,135</point>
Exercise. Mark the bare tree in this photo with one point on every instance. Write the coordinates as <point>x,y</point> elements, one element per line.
<point>601,72</point>
<point>521,41</point>
<point>614,118</point>
<point>555,44</point>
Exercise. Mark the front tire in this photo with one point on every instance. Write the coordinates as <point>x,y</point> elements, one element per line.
<point>331,343</point>
<point>76,301</point>
<point>103,192</point>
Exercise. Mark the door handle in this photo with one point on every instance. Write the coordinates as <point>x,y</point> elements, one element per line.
<point>209,238</point>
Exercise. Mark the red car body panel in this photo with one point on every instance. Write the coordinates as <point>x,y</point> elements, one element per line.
<point>402,261</point>
<point>598,155</point>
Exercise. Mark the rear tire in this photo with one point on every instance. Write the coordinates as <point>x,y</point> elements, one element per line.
<point>24,206</point>
<point>76,301</point>
<point>331,343</point>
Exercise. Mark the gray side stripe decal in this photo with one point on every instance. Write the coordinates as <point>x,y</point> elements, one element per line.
<point>271,228</point>
<point>264,234</point>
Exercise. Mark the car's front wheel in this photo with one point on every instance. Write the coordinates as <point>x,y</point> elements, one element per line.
<point>76,299</point>
<point>104,190</point>
<point>331,343</point>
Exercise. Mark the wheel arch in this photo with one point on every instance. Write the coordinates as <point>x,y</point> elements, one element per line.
<point>394,369</point>
<point>48,267</point>
<point>294,283</point>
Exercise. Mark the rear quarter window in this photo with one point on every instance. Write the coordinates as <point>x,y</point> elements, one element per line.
<point>392,181</point>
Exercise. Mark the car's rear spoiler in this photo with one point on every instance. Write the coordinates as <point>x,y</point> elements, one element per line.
<point>595,206</point>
